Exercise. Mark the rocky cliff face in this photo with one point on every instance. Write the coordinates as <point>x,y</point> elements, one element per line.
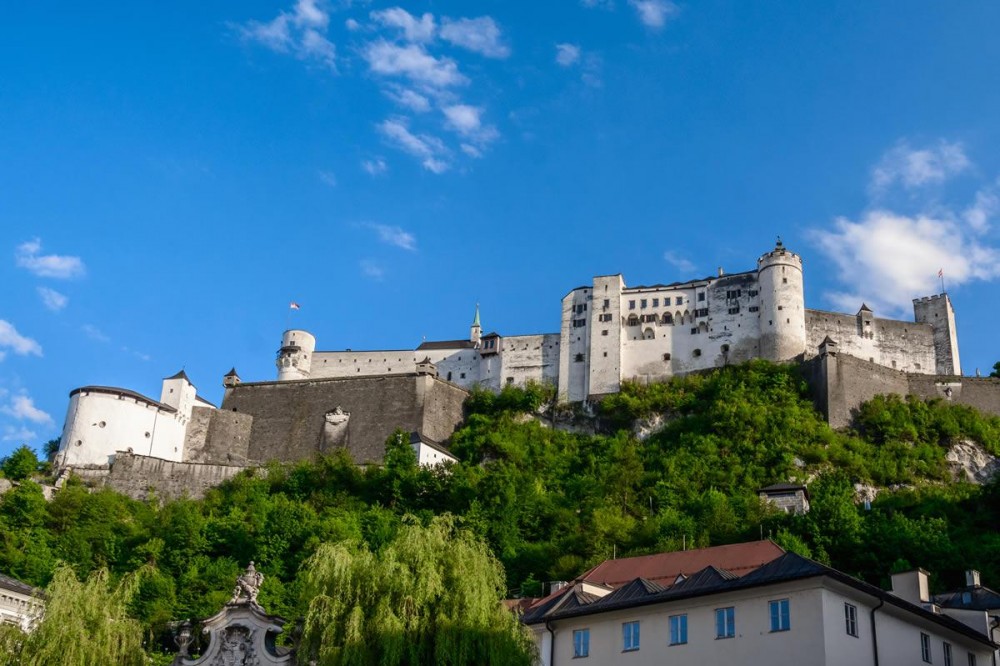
<point>970,462</point>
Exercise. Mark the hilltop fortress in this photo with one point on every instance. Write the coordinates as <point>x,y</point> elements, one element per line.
<point>610,333</point>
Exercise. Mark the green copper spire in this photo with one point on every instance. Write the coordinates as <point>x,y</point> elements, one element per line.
<point>475,322</point>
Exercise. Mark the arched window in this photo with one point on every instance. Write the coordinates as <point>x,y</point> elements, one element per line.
<point>667,318</point>
<point>633,320</point>
<point>678,318</point>
<point>648,334</point>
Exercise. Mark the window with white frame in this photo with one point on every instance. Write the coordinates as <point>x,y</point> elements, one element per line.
<point>581,643</point>
<point>780,618</point>
<point>925,647</point>
<point>947,654</point>
<point>678,629</point>
<point>630,636</point>
<point>725,622</point>
<point>851,619</point>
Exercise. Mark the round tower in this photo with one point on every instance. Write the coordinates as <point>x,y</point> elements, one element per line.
<point>782,305</point>
<point>295,356</point>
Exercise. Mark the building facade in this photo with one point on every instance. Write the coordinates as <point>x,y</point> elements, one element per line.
<point>789,608</point>
<point>611,333</point>
<point>20,604</point>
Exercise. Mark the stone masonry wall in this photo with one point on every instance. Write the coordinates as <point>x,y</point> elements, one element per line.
<point>140,476</point>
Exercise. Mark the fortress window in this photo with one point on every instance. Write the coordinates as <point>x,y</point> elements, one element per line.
<point>667,318</point>
<point>633,320</point>
<point>784,280</point>
<point>725,349</point>
<point>642,303</point>
<point>101,424</point>
<point>604,332</point>
<point>449,376</point>
<point>754,308</point>
<point>781,307</point>
<point>916,366</point>
<point>605,354</point>
<point>462,376</point>
<point>752,293</point>
<point>694,331</point>
<point>656,302</point>
<point>607,303</point>
<point>679,300</point>
<point>147,435</point>
<point>577,323</point>
<point>734,310</point>
<point>701,312</point>
<point>578,358</point>
<point>510,380</point>
<point>701,297</point>
<point>666,357</point>
<point>697,352</point>
<point>631,305</point>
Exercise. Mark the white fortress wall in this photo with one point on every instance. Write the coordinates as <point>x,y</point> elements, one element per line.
<point>605,368</point>
<point>527,358</point>
<point>459,366</point>
<point>574,346</point>
<point>901,345</point>
<point>339,364</point>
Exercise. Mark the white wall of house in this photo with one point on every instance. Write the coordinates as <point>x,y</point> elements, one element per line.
<point>19,609</point>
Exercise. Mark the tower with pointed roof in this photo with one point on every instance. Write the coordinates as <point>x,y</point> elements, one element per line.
<point>178,392</point>
<point>476,330</point>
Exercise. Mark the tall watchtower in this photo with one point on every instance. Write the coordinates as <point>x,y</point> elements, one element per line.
<point>937,311</point>
<point>782,304</point>
<point>295,356</point>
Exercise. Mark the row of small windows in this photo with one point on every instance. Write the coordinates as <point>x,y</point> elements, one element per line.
<point>655,302</point>
<point>725,627</point>
<point>925,652</point>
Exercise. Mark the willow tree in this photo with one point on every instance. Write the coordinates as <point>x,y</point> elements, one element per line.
<point>84,623</point>
<point>430,596</point>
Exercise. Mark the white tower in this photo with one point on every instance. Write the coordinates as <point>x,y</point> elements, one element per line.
<point>476,331</point>
<point>937,311</point>
<point>179,393</point>
<point>782,305</point>
<point>295,356</point>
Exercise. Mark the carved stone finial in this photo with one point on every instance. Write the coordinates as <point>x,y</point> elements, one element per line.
<point>247,586</point>
<point>779,244</point>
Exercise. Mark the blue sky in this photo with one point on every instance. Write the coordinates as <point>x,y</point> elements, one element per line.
<point>173,174</point>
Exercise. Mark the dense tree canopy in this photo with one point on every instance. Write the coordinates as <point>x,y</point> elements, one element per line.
<point>20,464</point>
<point>551,490</point>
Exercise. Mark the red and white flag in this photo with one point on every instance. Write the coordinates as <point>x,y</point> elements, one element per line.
<point>940,272</point>
<point>293,305</point>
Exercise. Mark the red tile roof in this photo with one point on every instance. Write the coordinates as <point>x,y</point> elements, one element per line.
<point>663,568</point>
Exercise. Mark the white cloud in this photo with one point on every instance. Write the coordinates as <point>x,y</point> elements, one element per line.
<point>301,32</point>
<point>14,341</point>
<point>328,178</point>
<point>392,235</point>
<point>371,269</point>
<point>680,263</point>
<point>914,168</point>
<point>887,259</point>
<point>414,29</point>
<point>95,333</point>
<point>408,98</point>
<point>654,13</point>
<point>374,167</point>
<point>480,35</point>
<point>467,121</point>
<point>567,54</point>
<point>18,434</point>
<point>413,62</point>
<point>28,256</point>
<point>22,408</point>
<point>430,150</point>
<point>52,299</point>
<point>352,25</point>
<point>985,207</point>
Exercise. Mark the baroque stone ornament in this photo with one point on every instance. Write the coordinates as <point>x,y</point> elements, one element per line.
<point>241,634</point>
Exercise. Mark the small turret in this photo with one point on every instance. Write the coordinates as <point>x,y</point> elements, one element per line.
<point>782,304</point>
<point>179,393</point>
<point>476,330</point>
<point>231,379</point>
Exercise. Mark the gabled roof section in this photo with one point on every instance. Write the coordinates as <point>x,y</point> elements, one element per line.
<point>975,597</point>
<point>14,585</point>
<point>447,344</point>
<point>663,568</point>
<point>637,589</point>
<point>864,308</point>
<point>231,373</point>
<point>180,375</point>
<point>706,578</point>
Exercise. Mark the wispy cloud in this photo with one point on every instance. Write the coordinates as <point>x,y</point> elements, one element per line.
<point>374,167</point>
<point>52,299</point>
<point>11,340</point>
<point>654,13</point>
<point>467,121</point>
<point>413,29</point>
<point>393,235</point>
<point>408,98</point>
<point>328,178</point>
<point>301,32</point>
<point>18,434</point>
<point>677,261</point>
<point>918,167</point>
<point>481,35</point>
<point>413,62</point>
<point>428,149</point>
<point>887,258</point>
<point>94,333</point>
<point>22,408</point>
<point>372,270</point>
<point>29,256</point>
<point>567,54</point>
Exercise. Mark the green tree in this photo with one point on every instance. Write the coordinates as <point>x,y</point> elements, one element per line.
<point>20,465</point>
<point>430,596</point>
<point>84,623</point>
<point>996,370</point>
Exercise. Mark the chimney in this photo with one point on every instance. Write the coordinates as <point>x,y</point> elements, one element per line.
<point>972,578</point>
<point>556,585</point>
<point>721,272</point>
<point>912,586</point>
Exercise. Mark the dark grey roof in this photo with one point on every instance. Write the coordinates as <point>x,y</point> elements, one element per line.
<point>447,344</point>
<point>180,375</point>
<point>416,437</point>
<point>13,584</point>
<point>787,567</point>
<point>975,597</point>
<point>125,393</point>
<point>865,308</point>
<point>783,488</point>
<point>201,399</point>
<point>232,373</point>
